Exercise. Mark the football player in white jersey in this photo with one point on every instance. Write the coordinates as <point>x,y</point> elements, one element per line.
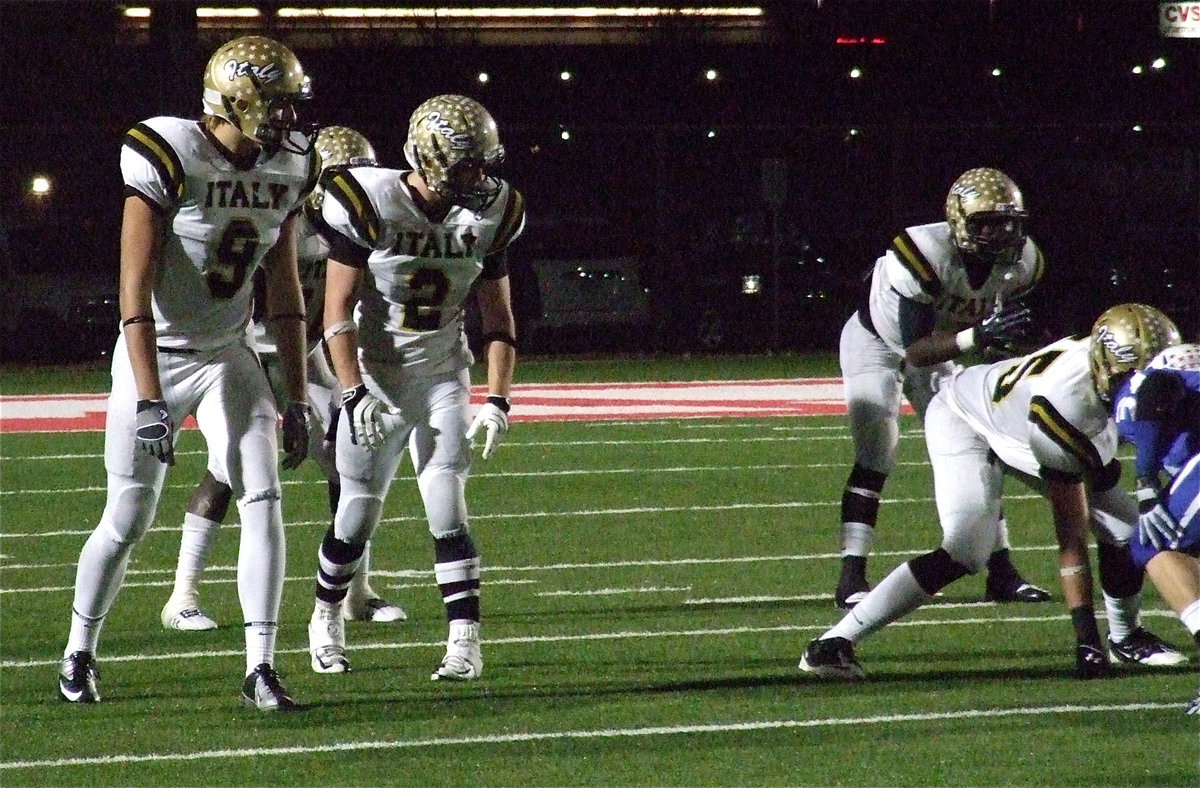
<point>338,146</point>
<point>1045,418</point>
<point>1158,411</point>
<point>206,203</point>
<point>939,291</point>
<point>409,248</point>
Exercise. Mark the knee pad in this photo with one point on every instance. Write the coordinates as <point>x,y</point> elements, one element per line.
<point>970,549</point>
<point>129,512</point>
<point>443,492</point>
<point>357,517</point>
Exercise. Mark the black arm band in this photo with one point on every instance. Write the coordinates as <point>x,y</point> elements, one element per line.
<point>288,316</point>
<point>500,402</point>
<point>137,319</point>
<point>500,336</point>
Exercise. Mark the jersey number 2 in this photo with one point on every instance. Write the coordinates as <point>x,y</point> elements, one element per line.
<point>423,311</point>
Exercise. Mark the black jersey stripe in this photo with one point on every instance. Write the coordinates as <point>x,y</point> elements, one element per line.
<point>909,255</point>
<point>345,188</point>
<point>151,146</point>
<point>510,223</point>
<point>314,173</point>
<point>1056,427</point>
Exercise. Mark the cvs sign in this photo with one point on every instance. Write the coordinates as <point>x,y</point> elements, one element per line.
<point>1179,20</point>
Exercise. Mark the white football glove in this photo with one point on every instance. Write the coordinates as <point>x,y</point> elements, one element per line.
<point>365,413</point>
<point>155,430</point>
<point>1156,526</point>
<point>492,417</point>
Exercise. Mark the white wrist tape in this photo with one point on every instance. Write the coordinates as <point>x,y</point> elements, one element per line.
<point>344,327</point>
<point>965,339</point>
<point>1071,571</point>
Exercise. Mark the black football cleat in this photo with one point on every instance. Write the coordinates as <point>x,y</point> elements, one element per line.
<point>263,690</point>
<point>1091,662</point>
<point>79,678</point>
<point>1015,591</point>
<point>832,658</point>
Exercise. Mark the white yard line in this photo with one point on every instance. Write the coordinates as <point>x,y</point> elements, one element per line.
<point>604,733</point>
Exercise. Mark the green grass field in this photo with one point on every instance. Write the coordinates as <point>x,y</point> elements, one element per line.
<point>648,591</point>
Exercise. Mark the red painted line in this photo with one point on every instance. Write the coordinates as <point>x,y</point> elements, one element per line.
<point>533,402</point>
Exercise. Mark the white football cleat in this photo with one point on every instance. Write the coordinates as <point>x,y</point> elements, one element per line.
<point>372,608</point>
<point>327,640</point>
<point>183,612</point>
<point>463,660</point>
<point>1143,647</point>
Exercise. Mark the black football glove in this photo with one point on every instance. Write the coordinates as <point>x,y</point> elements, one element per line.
<point>155,432</point>
<point>1003,328</point>
<point>297,419</point>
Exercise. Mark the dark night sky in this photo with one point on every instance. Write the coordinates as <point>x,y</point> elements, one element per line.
<point>641,172</point>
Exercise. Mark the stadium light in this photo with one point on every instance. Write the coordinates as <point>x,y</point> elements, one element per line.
<point>40,186</point>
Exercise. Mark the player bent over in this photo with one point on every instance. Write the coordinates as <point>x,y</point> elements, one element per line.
<point>940,290</point>
<point>1158,411</point>
<point>1047,419</point>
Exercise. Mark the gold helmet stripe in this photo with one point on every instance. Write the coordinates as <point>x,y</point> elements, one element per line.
<point>346,189</point>
<point>911,258</point>
<point>1047,419</point>
<point>151,146</point>
<point>513,220</point>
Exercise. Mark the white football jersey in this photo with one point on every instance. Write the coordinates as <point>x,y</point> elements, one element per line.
<point>418,272</point>
<point>312,253</point>
<point>923,264</point>
<point>1040,411</point>
<point>223,217</point>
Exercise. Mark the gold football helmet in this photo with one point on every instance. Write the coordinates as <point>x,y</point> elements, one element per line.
<point>254,82</point>
<point>1124,339</point>
<point>342,146</point>
<point>454,145</point>
<point>986,214</point>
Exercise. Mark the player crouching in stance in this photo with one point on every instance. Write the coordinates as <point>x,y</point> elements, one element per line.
<point>940,290</point>
<point>1047,419</point>
<point>207,203</point>
<point>1158,411</point>
<point>419,242</point>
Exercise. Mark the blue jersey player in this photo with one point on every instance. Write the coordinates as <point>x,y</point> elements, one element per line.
<point>1158,411</point>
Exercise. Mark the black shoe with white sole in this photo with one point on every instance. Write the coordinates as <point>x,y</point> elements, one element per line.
<point>79,678</point>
